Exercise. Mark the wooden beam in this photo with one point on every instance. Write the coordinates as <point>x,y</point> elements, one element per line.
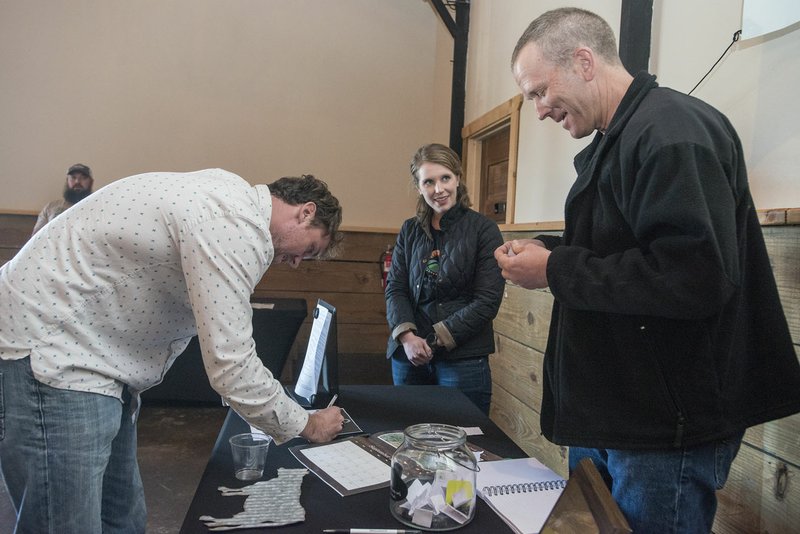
<point>634,34</point>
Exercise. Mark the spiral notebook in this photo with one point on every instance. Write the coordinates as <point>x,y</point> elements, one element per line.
<point>521,491</point>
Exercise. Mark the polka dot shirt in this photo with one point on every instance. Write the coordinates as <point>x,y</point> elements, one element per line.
<point>111,292</point>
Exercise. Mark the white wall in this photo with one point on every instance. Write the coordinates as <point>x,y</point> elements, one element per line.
<point>346,90</point>
<point>754,87</point>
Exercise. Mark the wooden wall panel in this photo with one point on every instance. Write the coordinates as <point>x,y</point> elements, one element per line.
<point>353,337</point>
<point>783,246</point>
<point>15,230</point>
<point>521,329</point>
<point>780,438</point>
<point>517,368</point>
<point>762,495</point>
<point>525,316</point>
<point>318,276</point>
<point>366,246</point>
<point>356,308</point>
<point>522,424</point>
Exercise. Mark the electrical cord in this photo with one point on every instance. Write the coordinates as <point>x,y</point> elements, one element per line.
<point>736,35</point>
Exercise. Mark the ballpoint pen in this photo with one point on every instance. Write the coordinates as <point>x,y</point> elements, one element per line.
<point>370,531</point>
<point>333,399</point>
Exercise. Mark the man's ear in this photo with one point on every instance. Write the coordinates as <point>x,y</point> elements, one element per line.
<point>307,211</point>
<point>585,60</point>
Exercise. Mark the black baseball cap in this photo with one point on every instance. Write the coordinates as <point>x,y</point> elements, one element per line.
<point>80,168</point>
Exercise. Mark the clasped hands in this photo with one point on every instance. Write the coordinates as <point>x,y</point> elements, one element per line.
<point>417,349</point>
<point>523,262</point>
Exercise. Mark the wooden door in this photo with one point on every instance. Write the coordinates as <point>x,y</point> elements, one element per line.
<point>494,175</point>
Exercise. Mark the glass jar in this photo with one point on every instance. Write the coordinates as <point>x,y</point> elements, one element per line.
<point>433,478</point>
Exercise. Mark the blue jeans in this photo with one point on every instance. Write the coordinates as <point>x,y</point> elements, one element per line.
<point>68,457</point>
<point>665,491</point>
<point>470,375</point>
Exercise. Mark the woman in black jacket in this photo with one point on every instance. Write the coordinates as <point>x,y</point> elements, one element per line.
<point>444,287</point>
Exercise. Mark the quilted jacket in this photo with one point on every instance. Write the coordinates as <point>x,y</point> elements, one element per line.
<point>469,286</point>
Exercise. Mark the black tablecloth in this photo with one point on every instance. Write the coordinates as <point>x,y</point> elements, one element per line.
<point>374,408</point>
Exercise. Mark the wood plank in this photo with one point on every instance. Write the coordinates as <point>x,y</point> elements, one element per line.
<point>524,316</point>
<point>319,276</point>
<point>7,253</point>
<point>748,502</point>
<point>366,247</point>
<point>771,217</point>
<point>509,236</point>
<point>783,246</point>
<point>356,308</point>
<point>369,229</point>
<point>778,438</point>
<point>15,229</point>
<point>355,338</point>
<point>535,227</point>
<point>492,119</point>
<point>518,369</point>
<point>521,424</point>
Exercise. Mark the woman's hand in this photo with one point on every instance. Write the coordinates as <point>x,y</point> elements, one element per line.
<point>417,351</point>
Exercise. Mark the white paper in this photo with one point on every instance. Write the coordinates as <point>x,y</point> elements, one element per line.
<point>315,353</point>
<point>348,464</point>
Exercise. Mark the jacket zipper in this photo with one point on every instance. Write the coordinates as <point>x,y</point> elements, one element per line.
<point>680,423</point>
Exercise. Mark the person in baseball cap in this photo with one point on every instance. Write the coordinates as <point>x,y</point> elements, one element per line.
<point>78,186</point>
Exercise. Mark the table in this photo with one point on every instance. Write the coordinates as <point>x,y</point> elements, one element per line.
<point>275,325</point>
<point>374,408</point>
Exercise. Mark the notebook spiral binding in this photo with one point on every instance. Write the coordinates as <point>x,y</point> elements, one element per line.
<point>527,487</point>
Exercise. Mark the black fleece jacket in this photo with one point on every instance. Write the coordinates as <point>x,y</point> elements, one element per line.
<point>667,329</point>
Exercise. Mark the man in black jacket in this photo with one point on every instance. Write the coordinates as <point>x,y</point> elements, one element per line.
<point>667,337</point>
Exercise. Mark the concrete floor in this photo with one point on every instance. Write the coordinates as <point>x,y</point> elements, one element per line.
<point>174,446</point>
<point>175,443</point>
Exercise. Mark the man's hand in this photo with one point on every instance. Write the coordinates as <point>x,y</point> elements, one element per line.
<point>417,351</point>
<point>523,262</point>
<point>323,425</point>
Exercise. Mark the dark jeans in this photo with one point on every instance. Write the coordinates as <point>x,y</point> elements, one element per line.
<point>470,375</point>
<point>665,491</point>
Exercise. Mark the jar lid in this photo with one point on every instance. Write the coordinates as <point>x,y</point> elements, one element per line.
<point>435,436</point>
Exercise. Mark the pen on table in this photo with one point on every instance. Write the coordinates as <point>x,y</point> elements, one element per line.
<point>370,531</point>
<point>333,399</point>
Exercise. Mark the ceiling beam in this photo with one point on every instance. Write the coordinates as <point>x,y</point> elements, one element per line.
<point>459,30</point>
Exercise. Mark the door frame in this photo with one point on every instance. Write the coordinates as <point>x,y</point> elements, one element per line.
<point>506,115</point>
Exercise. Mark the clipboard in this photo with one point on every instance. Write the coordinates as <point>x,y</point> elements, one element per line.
<point>318,380</point>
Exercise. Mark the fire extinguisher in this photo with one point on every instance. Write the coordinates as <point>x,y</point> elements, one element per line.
<point>386,264</point>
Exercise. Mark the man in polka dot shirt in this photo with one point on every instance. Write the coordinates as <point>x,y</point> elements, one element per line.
<point>99,303</point>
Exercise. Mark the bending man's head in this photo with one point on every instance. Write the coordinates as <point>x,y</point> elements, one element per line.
<point>327,215</point>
